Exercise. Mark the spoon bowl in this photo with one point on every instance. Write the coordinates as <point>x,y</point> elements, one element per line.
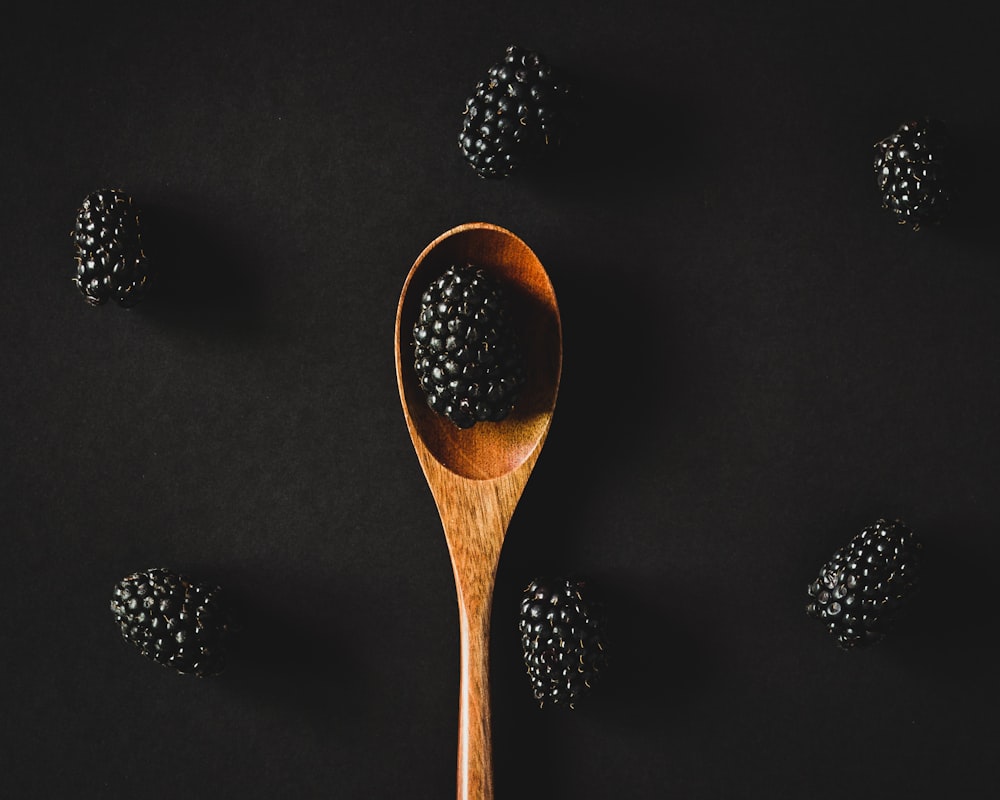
<point>486,450</point>
<point>477,474</point>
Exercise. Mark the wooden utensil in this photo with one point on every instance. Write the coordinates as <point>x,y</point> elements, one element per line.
<point>477,475</point>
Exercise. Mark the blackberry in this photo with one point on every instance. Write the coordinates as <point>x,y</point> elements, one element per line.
<point>517,114</point>
<point>859,591</point>
<point>111,264</point>
<point>563,640</point>
<point>912,172</point>
<point>466,351</point>
<point>174,621</point>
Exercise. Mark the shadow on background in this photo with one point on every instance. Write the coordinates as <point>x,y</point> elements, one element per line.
<point>288,652</point>
<point>621,393</point>
<point>656,645</point>
<point>630,140</point>
<point>974,206</point>
<point>209,281</point>
<point>947,627</point>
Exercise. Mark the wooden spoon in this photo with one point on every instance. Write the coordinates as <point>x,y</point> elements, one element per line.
<point>477,474</point>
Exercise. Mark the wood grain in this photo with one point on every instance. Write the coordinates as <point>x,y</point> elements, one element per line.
<point>477,475</point>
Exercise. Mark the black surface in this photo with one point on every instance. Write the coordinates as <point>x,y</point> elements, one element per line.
<point>758,363</point>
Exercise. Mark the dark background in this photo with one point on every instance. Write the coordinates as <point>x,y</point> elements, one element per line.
<point>758,363</point>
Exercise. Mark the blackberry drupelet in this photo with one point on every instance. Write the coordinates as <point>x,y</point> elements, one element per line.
<point>517,114</point>
<point>859,591</point>
<point>912,172</point>
<point>466,351</point>
<point>563,640</point>
<point>172,620</point>
<point>111,264</point>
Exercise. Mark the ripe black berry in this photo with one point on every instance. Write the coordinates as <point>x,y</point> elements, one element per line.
<point>859,591</point>
<point>517,114</point>
<point>912,172</point>
<point>466,352</point>
<point>110,262</point>
<point>562,639</point>
<point>174,621</point>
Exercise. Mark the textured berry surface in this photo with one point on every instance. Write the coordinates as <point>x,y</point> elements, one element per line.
<point>174,621</point>
<point>517,114</point>
<point>911,172</point>
<point>562,639</point>
<point>110,261</point>
<point>466,352</point>
<point>859,591</point>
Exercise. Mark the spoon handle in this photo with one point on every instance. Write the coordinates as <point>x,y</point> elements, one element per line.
<point>475,748</point>
<point>475,515</point>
